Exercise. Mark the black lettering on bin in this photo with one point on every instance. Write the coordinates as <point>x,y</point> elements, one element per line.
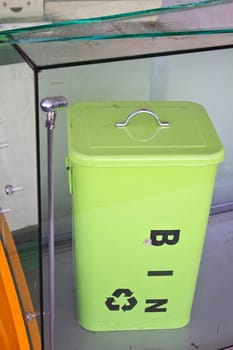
<point>156,303</point>
<point>111,304</point>
<point>112,301</point>
<point>122,291</point>
<point>160,273</point>
<point>161,237</point>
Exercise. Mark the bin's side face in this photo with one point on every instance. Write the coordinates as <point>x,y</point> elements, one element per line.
<point>138,238</point>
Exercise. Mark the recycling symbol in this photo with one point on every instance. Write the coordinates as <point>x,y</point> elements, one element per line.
<point>113,304</point>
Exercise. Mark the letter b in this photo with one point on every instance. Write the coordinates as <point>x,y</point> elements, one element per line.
<point>161,237</point>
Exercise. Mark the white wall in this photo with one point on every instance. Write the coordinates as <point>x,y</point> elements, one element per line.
<point>206,78</point>
<point>18,160</point>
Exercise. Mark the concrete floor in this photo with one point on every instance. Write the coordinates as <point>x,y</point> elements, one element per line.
<point>211,325</point>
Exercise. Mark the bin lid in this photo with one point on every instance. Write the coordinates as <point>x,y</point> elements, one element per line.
<point>155,133</point>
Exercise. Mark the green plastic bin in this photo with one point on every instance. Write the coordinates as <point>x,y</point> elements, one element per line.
<point>141,197</point>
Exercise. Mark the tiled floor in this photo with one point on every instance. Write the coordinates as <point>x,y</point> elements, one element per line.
<point>211,325</point>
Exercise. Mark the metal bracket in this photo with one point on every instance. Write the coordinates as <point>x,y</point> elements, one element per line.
<point>3,211</point>
<point>10,189</point>
<point>30,316</point>
<point>4,145</point>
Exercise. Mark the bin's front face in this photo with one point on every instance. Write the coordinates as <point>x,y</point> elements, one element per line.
<point>140,210</point>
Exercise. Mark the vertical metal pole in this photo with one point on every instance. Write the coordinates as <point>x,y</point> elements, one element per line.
<point>49,105</point>
<point>50,123</point>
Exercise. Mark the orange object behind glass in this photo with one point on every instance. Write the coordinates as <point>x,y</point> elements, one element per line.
<point>12,329</point>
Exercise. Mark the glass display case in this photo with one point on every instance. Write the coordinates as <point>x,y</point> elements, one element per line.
<point>106,51</point>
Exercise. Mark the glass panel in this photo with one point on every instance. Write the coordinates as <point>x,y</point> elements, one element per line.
<point>170,78</point>
<point>146,79</point>
<point>60,13</point>
<point>175,26</point>
<point>18,186</point>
